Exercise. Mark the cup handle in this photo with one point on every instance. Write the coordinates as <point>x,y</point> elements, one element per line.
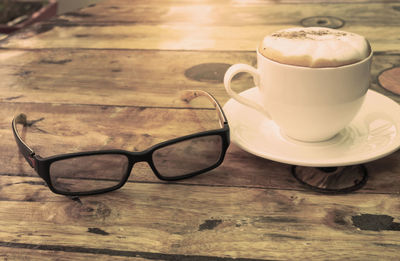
<point>230,73</point>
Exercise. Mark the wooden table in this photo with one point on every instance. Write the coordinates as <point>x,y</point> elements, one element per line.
<point>109,76</point>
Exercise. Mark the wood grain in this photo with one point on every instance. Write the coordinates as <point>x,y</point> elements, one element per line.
<point>107,77</point>
<point>208,221</point>
<point>230,13</point>
<point>178,37</point>
<point>184,27</point>
<point>130,77</point>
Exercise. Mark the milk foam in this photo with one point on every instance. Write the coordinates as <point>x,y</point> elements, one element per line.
<point>315,47</point>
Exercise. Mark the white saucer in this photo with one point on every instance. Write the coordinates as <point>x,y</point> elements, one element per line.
<point>374,133</point>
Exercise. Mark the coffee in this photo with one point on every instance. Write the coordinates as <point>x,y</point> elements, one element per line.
<point>315,47</point>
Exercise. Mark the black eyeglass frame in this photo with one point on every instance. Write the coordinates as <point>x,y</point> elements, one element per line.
<point>42,165</point>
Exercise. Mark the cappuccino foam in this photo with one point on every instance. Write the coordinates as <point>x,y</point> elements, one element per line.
<point>315,47</point>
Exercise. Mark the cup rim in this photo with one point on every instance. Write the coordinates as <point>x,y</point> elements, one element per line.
<point>317,68</point>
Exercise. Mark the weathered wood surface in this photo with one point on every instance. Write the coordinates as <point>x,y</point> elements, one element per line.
<point>217,27</point>
<point>224,222</point>
<point>244,38</point>
<point>130,77</point>
<point>109,76</point>
<point>230,13</point>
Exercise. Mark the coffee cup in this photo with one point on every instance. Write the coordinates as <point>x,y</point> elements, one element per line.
<point>309,104</point>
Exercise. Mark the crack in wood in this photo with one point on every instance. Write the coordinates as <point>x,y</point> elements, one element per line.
<point>96,230</point>
<point>13,98</point>
<point>81,35</point>
<point>24,73</point>
<point>278,219</point>
<point>78,14</point>
<point>209,224</point>
<point>61,62</point>
<point>387,245</point>
<point>124,253</point>
<point>284,237</point>
<point>41,183</point>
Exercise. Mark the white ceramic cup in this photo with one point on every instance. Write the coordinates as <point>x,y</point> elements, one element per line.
<point>308,104</point>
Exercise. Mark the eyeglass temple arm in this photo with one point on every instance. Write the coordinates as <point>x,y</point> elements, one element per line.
<point>25,150</point>
<point>189,95</point>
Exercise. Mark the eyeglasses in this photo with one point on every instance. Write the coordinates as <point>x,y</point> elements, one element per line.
<point>95,172</point>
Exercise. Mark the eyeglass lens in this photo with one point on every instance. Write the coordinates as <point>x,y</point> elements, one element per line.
<point>88,173</point>
<point>188,156</point>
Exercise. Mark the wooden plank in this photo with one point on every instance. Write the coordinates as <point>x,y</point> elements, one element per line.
<point>129,77</point>
<point>74,128</point>
<point>118,77</point>
<point>180,220</point>
<point>177,37</point>
<point>231,13</point>
<point>108,3</point>
<point>184,27</point>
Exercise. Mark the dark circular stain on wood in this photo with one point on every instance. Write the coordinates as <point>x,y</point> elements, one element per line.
<point>390,80</point>
<point>323,21</point>
<point>375,222</point>
<point>207,72</point>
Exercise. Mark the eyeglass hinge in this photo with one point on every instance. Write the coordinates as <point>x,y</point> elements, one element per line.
<point>32,160</point>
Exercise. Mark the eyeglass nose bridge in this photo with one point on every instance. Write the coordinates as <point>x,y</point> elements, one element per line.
<point>140,156</point>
